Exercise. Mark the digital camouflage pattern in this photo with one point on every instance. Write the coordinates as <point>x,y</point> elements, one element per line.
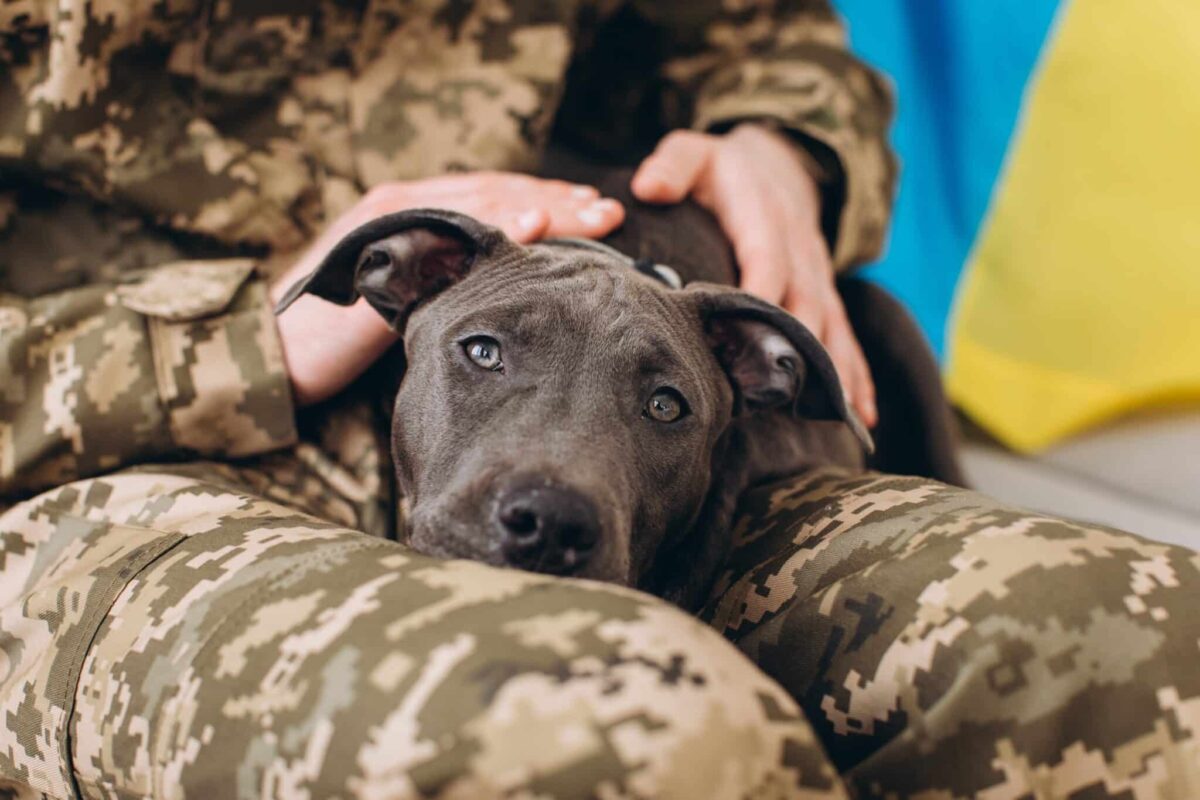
<point>169,636</point>
<point>223,627</point>
<point>945,645</point>
<point>95,378</point>
<point>252,122</point>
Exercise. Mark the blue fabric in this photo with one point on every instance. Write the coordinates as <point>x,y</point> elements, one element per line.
<point>960,69</point>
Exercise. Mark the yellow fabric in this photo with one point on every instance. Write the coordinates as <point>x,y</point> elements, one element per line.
<point>1082,298</point>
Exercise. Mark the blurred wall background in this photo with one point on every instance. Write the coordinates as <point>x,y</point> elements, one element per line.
<point>960,71</point>
<point>1047,236</point>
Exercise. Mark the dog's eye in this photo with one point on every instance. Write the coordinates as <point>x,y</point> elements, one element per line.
<point>666,405</point>
<point>485,352</point>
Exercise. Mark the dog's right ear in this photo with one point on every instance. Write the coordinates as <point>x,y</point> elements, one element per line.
<point>772,360</point>
<point>398,261</point>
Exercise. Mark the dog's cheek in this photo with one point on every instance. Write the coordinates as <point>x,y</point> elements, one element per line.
<point>616,563</point>
<point>422,441</point>
<point>402,464</point>
<point>669,491</point>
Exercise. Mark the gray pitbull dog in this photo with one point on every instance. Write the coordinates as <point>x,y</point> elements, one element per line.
<point>566,410</point>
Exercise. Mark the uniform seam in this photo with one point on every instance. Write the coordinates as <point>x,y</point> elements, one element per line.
<point>137,562</point>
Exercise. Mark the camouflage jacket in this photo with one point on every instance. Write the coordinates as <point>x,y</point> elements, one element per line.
<point>179,135</point>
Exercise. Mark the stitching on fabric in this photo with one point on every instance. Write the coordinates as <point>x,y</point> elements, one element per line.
<point>139,560</point>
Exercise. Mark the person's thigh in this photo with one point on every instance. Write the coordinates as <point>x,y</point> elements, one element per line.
<point>166,635</point>
<point>942,642</point>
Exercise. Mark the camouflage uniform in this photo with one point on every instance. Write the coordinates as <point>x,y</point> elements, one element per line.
<point>189,604</point>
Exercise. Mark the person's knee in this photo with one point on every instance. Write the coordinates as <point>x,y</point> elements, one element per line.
<point>951,628</point>
<point>566,689</point>
<point>342,666</point>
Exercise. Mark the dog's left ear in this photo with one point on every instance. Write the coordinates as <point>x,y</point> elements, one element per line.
<point>772,360</point>
<point>398,261</point>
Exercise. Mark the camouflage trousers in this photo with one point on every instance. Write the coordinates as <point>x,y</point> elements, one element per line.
<point>165,633</point>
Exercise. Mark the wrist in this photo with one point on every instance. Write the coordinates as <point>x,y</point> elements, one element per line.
<point>326,346</point>
<point>812,167</point>
<point>820,165</point>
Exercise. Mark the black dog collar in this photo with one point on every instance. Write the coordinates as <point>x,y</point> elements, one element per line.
<point>659,272</point>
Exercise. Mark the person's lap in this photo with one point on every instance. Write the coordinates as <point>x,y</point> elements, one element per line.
<point>196,638</point>
<point>165,635</point>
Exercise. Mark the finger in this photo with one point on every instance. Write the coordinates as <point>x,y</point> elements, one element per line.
<point>670,173</point>
<point>851,364</point>
<point>593,220</point>
<point>822,313</point>
<point>811,296</point>
<point>802,303</point>
<point>809,289</point>
<point>764,269</point>
<point>577,191</point>
<point>507,187</point>
<point>487,196</point>
<point>526,226</point>
<point>758,244</point>
<point>548,190</point>
<point>749,223</point>
<point>570,209</point>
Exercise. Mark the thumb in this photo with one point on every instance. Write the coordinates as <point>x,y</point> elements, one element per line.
<point>670,173</point>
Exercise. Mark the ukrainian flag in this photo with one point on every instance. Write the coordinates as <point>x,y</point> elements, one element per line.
<point>1047,230</point>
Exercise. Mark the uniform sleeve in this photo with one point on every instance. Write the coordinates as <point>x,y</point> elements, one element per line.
<point>787,62</point>
<point>182,361</point>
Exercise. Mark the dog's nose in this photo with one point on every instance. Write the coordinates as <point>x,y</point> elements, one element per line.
<point>547,529</point>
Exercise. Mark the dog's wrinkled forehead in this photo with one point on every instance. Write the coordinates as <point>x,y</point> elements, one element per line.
<point>571,288</point>
<point>572,247</point>
<point>580,278</point>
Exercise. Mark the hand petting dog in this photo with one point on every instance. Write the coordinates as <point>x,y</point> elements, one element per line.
<point>754,180</point>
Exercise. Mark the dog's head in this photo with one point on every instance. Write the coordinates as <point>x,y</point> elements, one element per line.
<point>560,411</point>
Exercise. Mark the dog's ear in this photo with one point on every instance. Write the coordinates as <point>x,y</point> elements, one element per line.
<point>399,260</point>
<point>772,360</point>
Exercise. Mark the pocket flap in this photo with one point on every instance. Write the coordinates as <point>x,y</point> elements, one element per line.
<point>186,290</point>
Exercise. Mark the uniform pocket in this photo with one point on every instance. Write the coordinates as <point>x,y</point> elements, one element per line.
<point>187,290</point>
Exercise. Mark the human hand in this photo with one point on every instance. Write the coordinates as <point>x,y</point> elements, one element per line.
<point>326,346</point>
<point>755,181</point>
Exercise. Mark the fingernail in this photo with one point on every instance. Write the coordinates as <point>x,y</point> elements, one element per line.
<point>583,192</point>
<point>593,215</point>
<point>529,219</point>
